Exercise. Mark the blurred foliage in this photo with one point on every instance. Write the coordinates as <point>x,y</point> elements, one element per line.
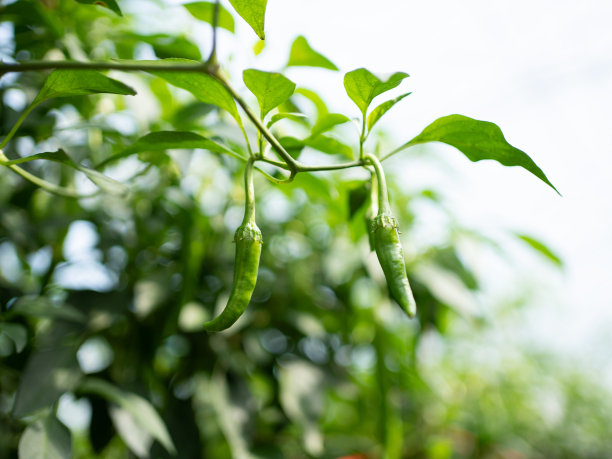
<point>102,299</point>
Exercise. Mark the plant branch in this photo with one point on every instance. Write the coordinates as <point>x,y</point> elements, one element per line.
<point>11,133</point>
<point>383,198</point>
<point>212,59</point>
<point>77,65</point>
<point>292,163</point>
<point>47,186</point>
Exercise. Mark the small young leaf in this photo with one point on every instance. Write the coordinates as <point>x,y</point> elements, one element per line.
<point>298,117</point>
<point>64,83</point>
<point>45,439</point>
<point>542,248</point>
<point>253,12</point>
<point>303,55</point>
<point>271,89</point>
<point>110,4</point>
<point>204,87</point>
<point>327,122</point>
<point>166,140</point>
<point>477,140</point>
<point>362,86</point>
<point>141,411</point>
<point>204,11</point>
<point>105,183</point>
<point>383,108</point>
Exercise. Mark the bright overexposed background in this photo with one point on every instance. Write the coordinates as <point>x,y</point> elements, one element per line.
<point>540,70</point>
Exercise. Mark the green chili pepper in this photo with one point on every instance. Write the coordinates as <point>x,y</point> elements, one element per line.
<point>248,241</point>
<point>384,229</point>
<point>371,212</point>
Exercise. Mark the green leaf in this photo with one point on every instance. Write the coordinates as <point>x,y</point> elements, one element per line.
<point>271,89</point>
<point>167,46</point>
<point>65,83</point>
<point>383,108</point>
<point>542,248</point>
<point>204,87</point>
<point>47,375</point>
<point>477,140</point>
<point>167,140</point>
<point>110,4</point>
<point>142,412</point>
<point>303,55</point>
<point>315,99</point>
<point>204,11</point>
<point>362,86</point>
<point>327,122</point>
<point>253,12</point>
<point>298,117</point>
<point>33,306</point>
<point>16,333</point>
<point>103,182</point>
<point>45,439</point>
<point>329,145</point>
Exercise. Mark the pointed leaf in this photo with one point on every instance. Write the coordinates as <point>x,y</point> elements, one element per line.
<point>383,108</point>
<point>142,412</point>
<point>105,183</point>
<point>477,140</point>
<point>110,4</point>
<point>167,140</point>
<point>327,122</point>
<point>64,83</point>
<point>303,55</point>
<point>253,12</point>
<point>45,439</point>
<point>298,117</point>
<point>271,89</point>
<point>204,87</point>
<point>542,248</point>
<point>204,11</point>
<point>362,86</point>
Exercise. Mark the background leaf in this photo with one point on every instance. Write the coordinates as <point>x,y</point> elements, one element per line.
<point>142,412</point>
<point>46,439</point>
<point>64,83</point>
<point>17,333</point>
<point>383,108</point>
<point>327,122</point>
<point>204,11</point>
<point>298,117</point>
<point>253,12</point>
<point>110,4</point>
<point>57,368</point>
<point>477,140</point>
<point>302,54</point>
<point>542,248</point>
<point>166,140</point>
<point>105,183</point>
<point>362,86</point>
<point>271,89</point>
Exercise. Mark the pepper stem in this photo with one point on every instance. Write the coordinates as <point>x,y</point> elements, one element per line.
<point>383,196</point>
<point>249,191</point>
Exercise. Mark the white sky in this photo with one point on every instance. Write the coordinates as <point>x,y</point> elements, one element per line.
<point>542,71</point>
